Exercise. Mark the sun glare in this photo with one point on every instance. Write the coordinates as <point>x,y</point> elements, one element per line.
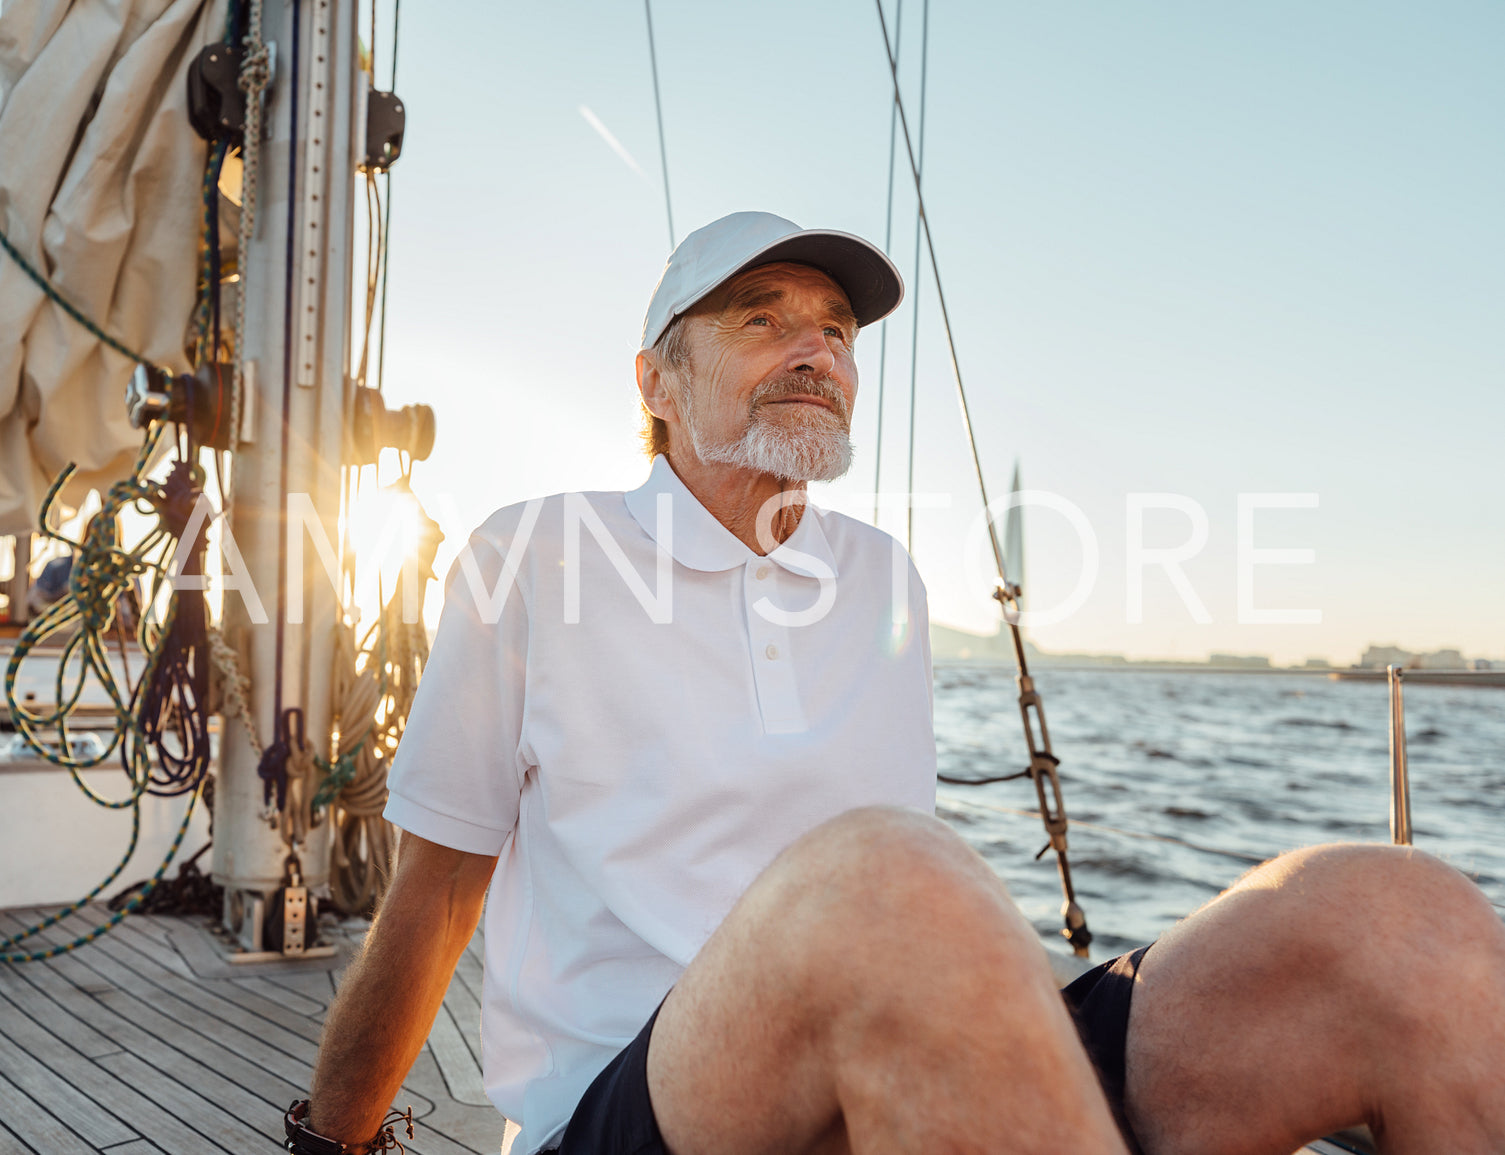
<point>388,529</point>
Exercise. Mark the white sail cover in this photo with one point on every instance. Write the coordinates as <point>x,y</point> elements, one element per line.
<point>1013,536</point>
<point>100,189</point>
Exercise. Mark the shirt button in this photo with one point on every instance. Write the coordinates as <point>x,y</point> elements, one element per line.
<point>772,651</point>
<point>762,574</point>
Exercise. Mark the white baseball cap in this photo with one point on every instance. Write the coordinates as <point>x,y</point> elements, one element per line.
<point>710,256</point>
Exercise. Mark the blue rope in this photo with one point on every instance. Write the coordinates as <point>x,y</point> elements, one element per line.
<point>171,698</point>
<point>7,954</point>
<point>68,306</point>
<point>168,710</point>
<point>172,706</point>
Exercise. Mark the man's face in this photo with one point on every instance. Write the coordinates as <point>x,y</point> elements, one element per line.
<point>772,379</point>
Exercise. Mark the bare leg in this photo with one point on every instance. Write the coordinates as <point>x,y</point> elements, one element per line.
<point>875,990</point>
<point>1332,986</point>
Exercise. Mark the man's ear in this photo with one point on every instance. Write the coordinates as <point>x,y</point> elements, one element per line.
<point>653,385</point>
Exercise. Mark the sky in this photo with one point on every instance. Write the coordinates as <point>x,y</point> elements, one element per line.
<point>1188,249</point>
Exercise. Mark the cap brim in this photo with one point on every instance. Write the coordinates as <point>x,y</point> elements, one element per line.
<point>870,280</point>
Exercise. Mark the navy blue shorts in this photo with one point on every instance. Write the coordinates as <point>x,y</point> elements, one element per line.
<point>1099,1002</point>
<point>615,1116</point>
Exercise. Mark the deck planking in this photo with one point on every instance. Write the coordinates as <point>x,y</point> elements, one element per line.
<point>141,1043</point>
<point>134,1046</point>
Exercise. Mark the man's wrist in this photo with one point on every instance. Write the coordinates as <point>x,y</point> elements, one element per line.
<point>304,1140</point>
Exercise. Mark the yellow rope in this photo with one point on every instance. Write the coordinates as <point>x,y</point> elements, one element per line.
<point>234,687</point>
<point>298,817</point>
<point>373,691</point>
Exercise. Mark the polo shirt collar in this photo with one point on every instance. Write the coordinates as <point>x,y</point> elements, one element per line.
<point>700,542</point>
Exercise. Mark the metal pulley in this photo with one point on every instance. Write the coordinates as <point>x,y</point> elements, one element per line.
<point>216,102</point>
<point>374,427</point>
<point>199,401</point>
<point>216,105</point>
<point>148,396</point>
<point>385,122</point>
<point>286,928</point>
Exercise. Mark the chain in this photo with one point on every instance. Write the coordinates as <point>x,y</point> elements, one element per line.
<point>255,75</point>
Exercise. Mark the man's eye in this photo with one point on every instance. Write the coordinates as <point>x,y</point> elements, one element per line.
<point>838,332</point>
<point>760,320</point>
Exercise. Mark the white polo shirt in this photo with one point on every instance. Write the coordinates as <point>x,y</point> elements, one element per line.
<point>637,713</point>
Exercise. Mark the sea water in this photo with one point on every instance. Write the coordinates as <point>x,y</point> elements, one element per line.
<point>1177,782</point>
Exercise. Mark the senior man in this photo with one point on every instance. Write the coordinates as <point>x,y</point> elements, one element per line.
<point>683,734</point>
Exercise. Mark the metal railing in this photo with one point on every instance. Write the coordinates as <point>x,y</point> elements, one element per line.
<point>1400,782</point>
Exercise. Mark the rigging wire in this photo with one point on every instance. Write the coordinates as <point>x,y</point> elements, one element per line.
<point>272,769</point>
<point>914,337</point>
<point>658,107</point>
<point>888,240</point>
<point>935,272</point>
<point>375,267</point>
<point>386,229</point>
<point>1043,763</point>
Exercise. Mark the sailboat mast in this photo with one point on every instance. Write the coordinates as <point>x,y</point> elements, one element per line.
<point>297,285</point>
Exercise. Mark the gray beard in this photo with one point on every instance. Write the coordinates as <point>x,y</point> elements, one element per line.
<point>817,448</point>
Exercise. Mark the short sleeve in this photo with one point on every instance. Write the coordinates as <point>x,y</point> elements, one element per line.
<point>456,778</point>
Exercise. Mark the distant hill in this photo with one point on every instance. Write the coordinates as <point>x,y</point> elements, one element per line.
<point>949,644</point>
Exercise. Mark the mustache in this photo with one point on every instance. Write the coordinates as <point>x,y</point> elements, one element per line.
<point>795,384</point>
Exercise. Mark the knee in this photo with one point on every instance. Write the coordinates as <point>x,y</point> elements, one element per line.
<point>878,831</point>
<point>877,877</point>
<point>886,854</point>
<point>1391,905</point>
<point>1379,884</point>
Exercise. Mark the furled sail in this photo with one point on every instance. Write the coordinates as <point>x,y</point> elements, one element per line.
<point>100,190</point>
<point>1013,535</point>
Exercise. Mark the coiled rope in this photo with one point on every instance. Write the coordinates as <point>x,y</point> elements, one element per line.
<point>234,687</point>
<point>373,692</point>
<point>102,574</point>
<point>165,714</point>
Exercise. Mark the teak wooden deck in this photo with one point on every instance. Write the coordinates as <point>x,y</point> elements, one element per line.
<point>146,1040</point>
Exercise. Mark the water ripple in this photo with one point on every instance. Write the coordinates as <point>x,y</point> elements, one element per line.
<point>1255,764</point>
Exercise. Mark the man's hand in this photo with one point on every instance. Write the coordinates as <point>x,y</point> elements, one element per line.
<point>394,988</point>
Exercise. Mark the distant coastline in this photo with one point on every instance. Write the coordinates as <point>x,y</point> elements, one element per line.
<point>1442,667</point>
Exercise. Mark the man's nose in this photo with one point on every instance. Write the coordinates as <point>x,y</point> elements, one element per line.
<point>810,351</point>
